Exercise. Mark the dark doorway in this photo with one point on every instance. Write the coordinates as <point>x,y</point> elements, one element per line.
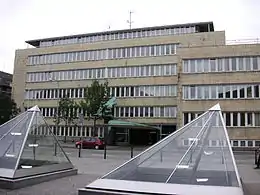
<point>167,130</point>
<point>143,137</point>
<point>153,137</point>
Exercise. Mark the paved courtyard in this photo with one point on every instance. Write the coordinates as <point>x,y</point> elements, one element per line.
<point>92,165</point>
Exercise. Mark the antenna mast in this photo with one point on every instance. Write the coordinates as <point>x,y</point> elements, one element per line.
<point>130,19</point>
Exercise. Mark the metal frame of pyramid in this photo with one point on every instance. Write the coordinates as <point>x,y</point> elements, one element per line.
<point>185,162</point>
<point>24,160</point>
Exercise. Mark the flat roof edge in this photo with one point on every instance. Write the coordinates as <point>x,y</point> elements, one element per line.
<point>33,42</point>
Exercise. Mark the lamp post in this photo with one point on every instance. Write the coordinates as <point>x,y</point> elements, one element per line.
<point>57,112</point>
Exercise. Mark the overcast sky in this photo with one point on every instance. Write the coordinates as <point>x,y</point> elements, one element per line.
<point>22,20</point>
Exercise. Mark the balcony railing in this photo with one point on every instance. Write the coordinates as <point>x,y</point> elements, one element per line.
<point>243,41</point>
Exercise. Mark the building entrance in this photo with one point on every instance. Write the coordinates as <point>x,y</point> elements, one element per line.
<point>126,133</point>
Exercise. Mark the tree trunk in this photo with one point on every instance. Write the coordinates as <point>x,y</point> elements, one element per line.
<point>94,127</point>
<point>66,131</point>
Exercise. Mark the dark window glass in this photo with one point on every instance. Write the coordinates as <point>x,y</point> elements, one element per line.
<point>242,119</point>
<point>256,89</point>
<point>234,92</point>
<point>242,92</point>
<point>235,119</point>
<point>186,118</point>
<point>228,121</point>
<point>250,143</point>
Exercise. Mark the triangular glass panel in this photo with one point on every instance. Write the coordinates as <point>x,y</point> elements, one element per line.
<point>198,154</point>
<point>24,154</point>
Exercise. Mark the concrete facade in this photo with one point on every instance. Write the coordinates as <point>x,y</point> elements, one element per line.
<point>190,47</point>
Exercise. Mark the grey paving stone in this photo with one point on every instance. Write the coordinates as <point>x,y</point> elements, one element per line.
<point>93,166</point>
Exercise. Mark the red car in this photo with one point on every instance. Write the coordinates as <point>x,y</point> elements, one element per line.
<point>91,142</point>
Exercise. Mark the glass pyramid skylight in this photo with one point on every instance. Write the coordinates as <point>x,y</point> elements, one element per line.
<point>24,154</point>
<point>198,155</point>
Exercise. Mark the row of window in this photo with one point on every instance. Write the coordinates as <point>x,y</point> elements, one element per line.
<point>88,131</point>
<point>126,91</point>
<point>119,36</point>
<point>145,111</point>
<point>99,73</point>
<point>232,119</point>
<point>246,91</point>
<point>222,64</point>
<point>189,92</point>
<point>103,54</point>
<point>221,143</point>
<point>145,91</point>
<point>71,131</point>
<point>144,70</point>
<point>164,111</point>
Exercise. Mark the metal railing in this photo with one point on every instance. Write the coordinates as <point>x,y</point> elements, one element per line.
<point>243,41</point>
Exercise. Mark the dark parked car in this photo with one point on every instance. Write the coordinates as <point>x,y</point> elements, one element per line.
<point>91,142</point>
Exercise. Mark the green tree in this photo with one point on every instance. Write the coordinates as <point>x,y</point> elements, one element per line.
<point>8,108</point>
<point>67,112</point>
<point>96,95</point>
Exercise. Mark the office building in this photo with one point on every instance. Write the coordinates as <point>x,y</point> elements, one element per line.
<point>164,76</point>
<point>6,83</point>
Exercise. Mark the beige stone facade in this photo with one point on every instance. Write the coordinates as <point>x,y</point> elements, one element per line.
<point>191,46</point>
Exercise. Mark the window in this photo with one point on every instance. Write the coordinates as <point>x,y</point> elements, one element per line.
<point>117,36</point>
<point>186,118</point>
<point>227,91</point>
<point>200,65</point>
<point>249,91</point>
<point>213,92</point>
<point>228,119</point>
<point>192,66</point>
<point>221,64</point>
<point>212,65</point>
<point>242,119</point>
<point>240,64</point>
<point>242,143</point>
<point>185,66</point>
<point>257,119</point>
<point>145,70</point>
<point>221,92</point>
<point>233,64</point>
<point>185,92</point>
<point>206,92</point>
<point>169,111</point>
<point>235,121</point>
<point>193,92</point>
<point>235,143</point>
<point>242,92</point>
<point>199,93</point>
<point>234,92</point>
<point>255,65</point>
<point>101,54</point>
<point>249,119</point>
<point>256,91</point>
<point>226,64</point>
<point>248,63</point>
<point>250,143</point>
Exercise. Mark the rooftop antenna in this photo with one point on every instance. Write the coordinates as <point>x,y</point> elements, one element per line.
<point>130,19</point>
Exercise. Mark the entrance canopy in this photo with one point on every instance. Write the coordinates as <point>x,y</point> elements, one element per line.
<point>130,125</point>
